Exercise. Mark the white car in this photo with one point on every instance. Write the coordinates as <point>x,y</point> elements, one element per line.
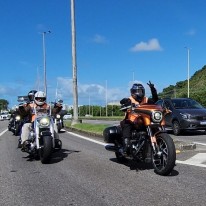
<point>67,116</point>
<point>5,116</point>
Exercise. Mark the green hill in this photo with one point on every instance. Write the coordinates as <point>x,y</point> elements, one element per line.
<point>197,88</point>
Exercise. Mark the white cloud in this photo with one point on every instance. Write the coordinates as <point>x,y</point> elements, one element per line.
<point>191,32</point>
<point>99,39</point>
<point>94,94</point>
<point>151,45</point>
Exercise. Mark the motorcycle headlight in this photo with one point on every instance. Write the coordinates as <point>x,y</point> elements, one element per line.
<point>17,118</point>
<point>44,122</point>
<point>58,116</point>
<point>157,116</point>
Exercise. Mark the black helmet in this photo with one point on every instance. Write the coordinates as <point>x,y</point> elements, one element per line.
<point>137,92</point>
<point>31,95</point>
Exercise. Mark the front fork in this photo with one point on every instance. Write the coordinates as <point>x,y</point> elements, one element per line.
<point>153,139</point>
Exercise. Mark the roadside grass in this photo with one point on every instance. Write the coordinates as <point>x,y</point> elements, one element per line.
<point>86,127</point>
<point>104,118</point>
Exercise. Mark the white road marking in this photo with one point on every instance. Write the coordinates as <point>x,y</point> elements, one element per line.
<point>192,164</point>
<point>3,132</point>
<point>86,138</point>
<point>198,158</point>
<point>193,161</point>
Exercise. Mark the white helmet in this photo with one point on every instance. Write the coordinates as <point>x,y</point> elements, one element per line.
<point>40,98</point>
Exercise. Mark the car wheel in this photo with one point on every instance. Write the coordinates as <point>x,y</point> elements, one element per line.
<point>176,127</point>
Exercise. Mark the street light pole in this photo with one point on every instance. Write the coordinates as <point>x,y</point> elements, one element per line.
<point>74,65</point>
<point>106,98</point>
<point>44,60</point>
<point>188,72</point>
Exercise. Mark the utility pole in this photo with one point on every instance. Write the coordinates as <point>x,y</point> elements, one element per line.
<point>106,98</point>
<point>188,72</point>
<point>74,66</point>
<point>44,59</point>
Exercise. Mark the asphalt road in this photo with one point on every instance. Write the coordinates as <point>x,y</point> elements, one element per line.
<point>85,174</point>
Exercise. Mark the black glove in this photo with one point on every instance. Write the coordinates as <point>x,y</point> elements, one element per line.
<point>150,85</point>
<point>125,101</point>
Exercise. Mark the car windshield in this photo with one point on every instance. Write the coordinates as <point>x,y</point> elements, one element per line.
<point>186,104</point>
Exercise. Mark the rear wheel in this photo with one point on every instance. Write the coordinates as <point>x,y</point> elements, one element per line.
<point>46,150</point>
<point>164,161</point>
<point>176,127</point>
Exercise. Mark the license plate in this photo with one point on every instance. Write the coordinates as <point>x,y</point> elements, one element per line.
<point>203,123</point>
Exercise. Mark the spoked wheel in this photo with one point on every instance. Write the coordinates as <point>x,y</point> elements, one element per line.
<point>176,128</point>
<point>164,161</point>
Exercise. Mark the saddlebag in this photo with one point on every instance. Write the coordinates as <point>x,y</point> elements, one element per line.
<point>112,133</point>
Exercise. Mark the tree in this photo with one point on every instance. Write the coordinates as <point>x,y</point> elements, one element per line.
<point>4,104</point>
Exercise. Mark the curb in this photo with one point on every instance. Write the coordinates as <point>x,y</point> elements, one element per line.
<point>180,145</point>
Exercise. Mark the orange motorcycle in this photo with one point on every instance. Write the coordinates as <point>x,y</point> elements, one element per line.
<point>149,143</point>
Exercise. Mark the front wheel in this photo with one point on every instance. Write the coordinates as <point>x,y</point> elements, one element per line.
<point>46,150</point>
<point>176,127</point>
<point>17,129</point>
<point>164,160</point>
<point>59,128</point>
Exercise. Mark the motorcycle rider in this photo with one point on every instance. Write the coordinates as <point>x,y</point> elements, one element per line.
<point>31,95</point>
<point>17,110</point>
<point>137,98</point>
<point>25,116</point>
<point>14,113</point>
<point>39,102</point>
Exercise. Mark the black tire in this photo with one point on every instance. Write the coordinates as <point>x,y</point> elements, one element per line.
<point>19,144</point>
<point>46,151</point>
<point>163,164</point>
<point>120,157</point>
<point>176,127</point>
<point>59,128</point>
<point>16,131</point>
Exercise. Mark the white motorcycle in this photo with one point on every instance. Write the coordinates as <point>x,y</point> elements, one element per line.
<point>59,122</point>
<point>41,142</point>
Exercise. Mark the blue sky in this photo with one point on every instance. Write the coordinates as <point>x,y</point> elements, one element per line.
<point>118,42</point>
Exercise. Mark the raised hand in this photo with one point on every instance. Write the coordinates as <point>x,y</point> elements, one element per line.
<point>150,85</point>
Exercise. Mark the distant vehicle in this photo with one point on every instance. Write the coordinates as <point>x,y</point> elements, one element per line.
<point>4,115</point>
<point>88,115</point>
<point>186,114</point>
<point>67,116</point>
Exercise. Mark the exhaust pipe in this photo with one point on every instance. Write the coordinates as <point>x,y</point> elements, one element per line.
<point>111,148</point>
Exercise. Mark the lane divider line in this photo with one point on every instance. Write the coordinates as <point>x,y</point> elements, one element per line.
<point>188,163</point>
<point>86,138</point>
<point>3,132</point>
